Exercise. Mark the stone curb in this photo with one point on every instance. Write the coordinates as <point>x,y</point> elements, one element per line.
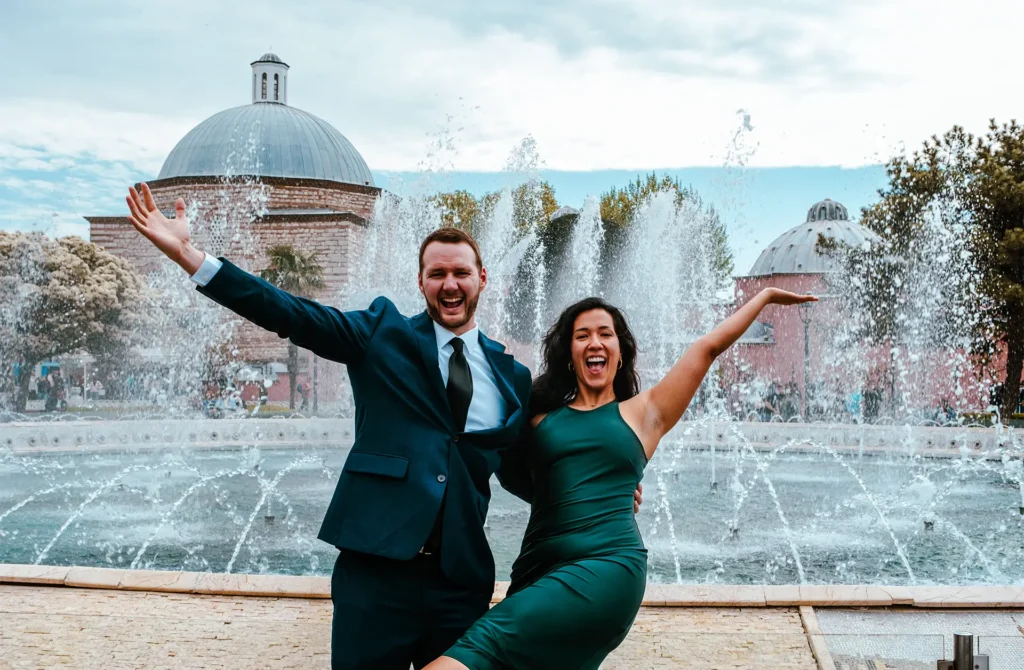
<point>816,639</point>
<point>657,595</point>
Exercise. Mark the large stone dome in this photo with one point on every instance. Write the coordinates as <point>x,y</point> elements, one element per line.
<point>267,138</point>
<point>795,251</point>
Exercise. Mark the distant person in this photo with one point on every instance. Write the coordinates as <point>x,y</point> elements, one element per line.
<point>853,406</point>
<point>303,390</point>
<point>51,394</point>
<point>42,388</point>
<point>59,392</point>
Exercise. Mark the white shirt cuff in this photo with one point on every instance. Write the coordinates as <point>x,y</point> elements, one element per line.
<point>206,271</point>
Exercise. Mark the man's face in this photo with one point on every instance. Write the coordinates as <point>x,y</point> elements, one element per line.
<point>451,283</point>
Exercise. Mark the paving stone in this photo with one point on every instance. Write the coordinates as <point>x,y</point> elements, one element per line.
<point>46,626</point>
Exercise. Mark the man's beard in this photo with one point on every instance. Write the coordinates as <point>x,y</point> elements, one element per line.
<point>470,309</point>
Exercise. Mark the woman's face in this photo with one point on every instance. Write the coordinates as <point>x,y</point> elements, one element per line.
<point>595,350</point>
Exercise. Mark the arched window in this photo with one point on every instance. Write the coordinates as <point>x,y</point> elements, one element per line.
<point>822,214</point>
<point>264,86</point>
<point>275,88</point>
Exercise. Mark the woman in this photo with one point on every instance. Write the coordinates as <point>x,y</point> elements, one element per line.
<point>579,579</point>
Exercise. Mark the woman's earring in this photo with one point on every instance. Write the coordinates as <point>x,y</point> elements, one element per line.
<point>570,366</point>
<point>620,364</point>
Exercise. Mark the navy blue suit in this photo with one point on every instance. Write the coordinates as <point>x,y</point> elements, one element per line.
<point>406,457</point>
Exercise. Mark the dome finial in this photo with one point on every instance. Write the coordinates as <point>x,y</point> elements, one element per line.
<point>270,79</point>
<point>827,210</point>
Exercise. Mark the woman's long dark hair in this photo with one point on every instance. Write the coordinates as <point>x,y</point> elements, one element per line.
<point>556,386</point>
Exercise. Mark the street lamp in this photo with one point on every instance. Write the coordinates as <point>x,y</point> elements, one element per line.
<point>316,385</point>
<point>805,316</point>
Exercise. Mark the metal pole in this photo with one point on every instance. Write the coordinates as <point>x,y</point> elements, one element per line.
<point>963,651</point>
<point>315,371</point>
<point>805,316</point>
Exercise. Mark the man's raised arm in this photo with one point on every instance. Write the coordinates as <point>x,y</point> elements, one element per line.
<point>328,332</point>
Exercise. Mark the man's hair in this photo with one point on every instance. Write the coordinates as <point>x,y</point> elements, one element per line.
<point>450,235</point>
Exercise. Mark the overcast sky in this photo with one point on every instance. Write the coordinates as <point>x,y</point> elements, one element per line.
<point>95,94</point>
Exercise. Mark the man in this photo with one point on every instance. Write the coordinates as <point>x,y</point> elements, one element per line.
<point>43,389</point>
<point>439,408</point>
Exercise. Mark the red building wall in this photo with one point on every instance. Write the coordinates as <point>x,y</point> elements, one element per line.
<point>924,379</point>
<point>335,238</point>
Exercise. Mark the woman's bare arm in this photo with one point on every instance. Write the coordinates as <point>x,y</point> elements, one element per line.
<point>656,411</point>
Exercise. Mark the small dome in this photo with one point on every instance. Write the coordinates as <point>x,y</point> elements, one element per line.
<point>564,210</point>
<point>269,58</point>
<point>269,141</point>
<point>827,210</point>
<point>795,251</point>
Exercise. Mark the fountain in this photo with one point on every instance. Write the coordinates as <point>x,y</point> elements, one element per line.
<point>788,502</point>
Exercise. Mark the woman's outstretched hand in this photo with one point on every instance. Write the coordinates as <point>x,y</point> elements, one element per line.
<point>170,236</point>
<point>777,296</point>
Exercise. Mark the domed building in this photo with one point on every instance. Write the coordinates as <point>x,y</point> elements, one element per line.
<point>312,187</point>
<point>289,143</point>
<point>784,347</point>
<point>795,251</point>
<point>260,174</point>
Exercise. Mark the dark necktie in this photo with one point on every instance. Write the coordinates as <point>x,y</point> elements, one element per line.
<point>460,393</point>
<point>460,384</point>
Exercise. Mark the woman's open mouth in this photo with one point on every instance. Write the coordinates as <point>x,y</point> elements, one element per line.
<point>595,364</point>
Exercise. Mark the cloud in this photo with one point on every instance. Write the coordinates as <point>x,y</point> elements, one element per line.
<point>732,38</point>
<point>102,91</point>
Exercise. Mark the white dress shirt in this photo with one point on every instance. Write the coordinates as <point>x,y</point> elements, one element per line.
<point>206,271</point>
<point>487,409</point>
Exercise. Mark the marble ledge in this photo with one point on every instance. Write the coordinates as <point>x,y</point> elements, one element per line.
<point>657,595</point>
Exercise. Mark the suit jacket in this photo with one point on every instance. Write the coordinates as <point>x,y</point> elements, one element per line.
<point>407,454</point>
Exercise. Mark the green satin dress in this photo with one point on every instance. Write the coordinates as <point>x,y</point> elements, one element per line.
<point>579,579</point>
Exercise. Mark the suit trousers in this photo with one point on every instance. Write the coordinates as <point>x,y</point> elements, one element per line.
<point>389,614</point>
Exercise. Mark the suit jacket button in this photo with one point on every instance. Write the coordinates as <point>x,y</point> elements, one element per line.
<point>441,479</point>
<point>455,438</point>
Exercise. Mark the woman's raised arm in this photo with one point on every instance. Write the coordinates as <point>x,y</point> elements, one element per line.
<point>657,410</point>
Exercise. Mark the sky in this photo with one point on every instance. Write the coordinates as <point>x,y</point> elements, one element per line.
<point>765,107</point>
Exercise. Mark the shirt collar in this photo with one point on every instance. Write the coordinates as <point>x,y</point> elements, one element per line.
<point>444,336</point>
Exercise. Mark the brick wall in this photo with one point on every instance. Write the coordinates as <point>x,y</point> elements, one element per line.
<point>227,208</point>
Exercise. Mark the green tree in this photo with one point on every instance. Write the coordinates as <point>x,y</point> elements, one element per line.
<point>975,185</point>
<point>994,200</point>
<point>620,206</point>
<point>459,209</point>
<point>533,203</point>
<point>301,274</point>
<point>62,296</point>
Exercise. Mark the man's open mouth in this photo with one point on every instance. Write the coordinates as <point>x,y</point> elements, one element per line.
<point>452,303</point>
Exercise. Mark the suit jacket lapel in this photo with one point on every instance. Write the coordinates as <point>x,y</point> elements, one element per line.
<point>427,340</point>
<point>503,366</point>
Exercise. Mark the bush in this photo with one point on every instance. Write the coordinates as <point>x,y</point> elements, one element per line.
<point>983,418</point>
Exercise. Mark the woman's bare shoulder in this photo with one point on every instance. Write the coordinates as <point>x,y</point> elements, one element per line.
<point>535,421</point>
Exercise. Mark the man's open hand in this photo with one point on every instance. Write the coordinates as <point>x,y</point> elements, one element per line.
<point>170,236</point>
<point>638,498</point>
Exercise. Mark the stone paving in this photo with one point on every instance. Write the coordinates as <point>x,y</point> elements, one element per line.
<point>904,639</point>
<point>48,626</point>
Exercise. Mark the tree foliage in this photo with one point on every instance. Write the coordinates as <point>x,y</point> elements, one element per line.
<point>619,208</point>
<point>299,273</point>
<point>459,209</point>
<point>974,188</point>
<point>62,296</point>
<point>533,203</point>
